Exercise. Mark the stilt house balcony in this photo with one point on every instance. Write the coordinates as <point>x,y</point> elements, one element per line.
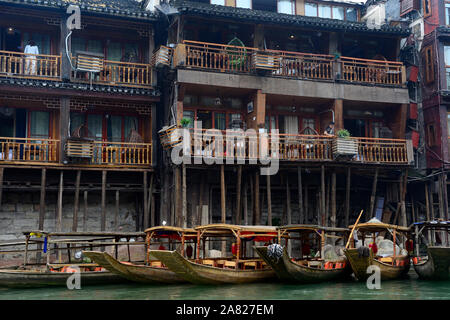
<point>30,66</point>
<point>294,65</point>
<point>293,148</point>
<point>29,150</point>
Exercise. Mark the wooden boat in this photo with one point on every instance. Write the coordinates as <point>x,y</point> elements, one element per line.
<point>391,267</point>
<point>57,273</point>
<point>235,269</point>
<point>153,271</point>
<point>436,264</point>
<point>308,269</point>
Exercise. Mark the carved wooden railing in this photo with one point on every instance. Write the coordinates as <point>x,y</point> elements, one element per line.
<point>228,58</point>
<point>36,66</point>
<point>116,73</point>
<point>290,147</point>
<point>372,71</point>
<point>122,153</point>
<point>33,150</point>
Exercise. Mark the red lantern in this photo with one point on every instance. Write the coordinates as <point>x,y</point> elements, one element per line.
<point>374,248</point>
<point>234,249</point>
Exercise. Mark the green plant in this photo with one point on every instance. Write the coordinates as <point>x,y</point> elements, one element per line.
<point>185,122</point>
<point>343,133</point>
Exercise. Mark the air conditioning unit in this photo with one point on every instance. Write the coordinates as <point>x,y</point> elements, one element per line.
<point>417,28</point>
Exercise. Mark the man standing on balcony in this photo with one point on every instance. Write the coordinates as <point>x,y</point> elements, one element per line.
<point>30,60</point>
<point>329,131</point>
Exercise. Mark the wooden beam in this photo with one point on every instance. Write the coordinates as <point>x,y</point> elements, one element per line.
<point>103,218</point>
<point>76,202</point>
<point>42,199</point>
<point>300,196</point>
<point>373,195</point>
<point>333,200</point>
<point>238,195</point>
<point>64,115</point>
<point>347,197</point>
<point>269,201</point>
<point>404,221</point>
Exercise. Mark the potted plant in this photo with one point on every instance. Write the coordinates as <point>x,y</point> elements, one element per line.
<point>185,122</point>
<point>344,146</point>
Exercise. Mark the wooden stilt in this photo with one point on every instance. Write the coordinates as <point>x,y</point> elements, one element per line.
<point>184,200</point>
<point>440,198</point>
<point>85,195</point>
<point>42,199</point>
<point>347,198</point>
<point>300,196</point>
<point>370,214</point>
<point>177,195</point>
<point>238,194</point>
<point>103,220</point>
<point>404,221</point>
<point>116,213</point>
<point>60,194</point>
<point>327,202</point>
<point>1,186</point>
<point>445,196</point>
<point>201,187</point>
<point>76,202</point>
<point>223,203</point>
<point>257,213</point>
<point>269,201</point>
<point>320,218</point>
<point>307,216</point>
<point>427,201</point>
<point>245,204</point>
<point>413,211</point>
<point>146,215</point>
<point>288,201</point>
<point>252,199</point>
<point>333,200</point>
<point>151,201</point>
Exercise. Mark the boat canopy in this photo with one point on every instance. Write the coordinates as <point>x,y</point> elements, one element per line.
<point>109,234</point>
<point>249,233</point>
<point>378,227</point>
<point>170,232</point>
<point>310,228</point>
<point>434,224</point>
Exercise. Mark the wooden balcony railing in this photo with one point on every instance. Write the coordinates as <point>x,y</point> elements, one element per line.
<point>372,71</point>
<point>290,147</point>
<point>29,150</point>
<point>116,73</point>
<point>122,153</point>
<point>36,66</point>
<point>229,58</point>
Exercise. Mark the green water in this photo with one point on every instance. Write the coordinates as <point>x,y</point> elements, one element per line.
<point>409,289</point>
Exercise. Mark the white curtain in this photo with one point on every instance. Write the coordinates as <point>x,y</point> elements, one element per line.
<point>291,124</point>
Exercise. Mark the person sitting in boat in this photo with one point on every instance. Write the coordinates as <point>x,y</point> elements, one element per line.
<point>189,251</point>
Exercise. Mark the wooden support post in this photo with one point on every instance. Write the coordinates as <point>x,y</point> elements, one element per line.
<point>85,194</point>
<point>327,202</point>
<point>60,194</point>
<point>103,219</point>
<point>146,215</point>
<point>177,195</point>
<point>269,201</point>
<point>288,201</point>
<point>42,199</point>
<point>238,195</point>
<point>116,213</point>
<point>321,216</point>
<point>333,200</point>
<point>257,213</point>
<point>403,206</point>
<point>347,198</point>
<point>151,198</point>
<point>413,211</point>
<point>245,204</point>
<point>1,185</point>
<point>427,201</point>
<point>184,200</point>
<point>445,196</point>
<point>307,220</point>
<point>64,119</point>
<point>223,204</point>
<point>300,196</point>
<point>76,202</point>
<point>372,196</point>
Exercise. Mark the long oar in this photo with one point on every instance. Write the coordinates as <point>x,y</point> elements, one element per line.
<point>353,229</point>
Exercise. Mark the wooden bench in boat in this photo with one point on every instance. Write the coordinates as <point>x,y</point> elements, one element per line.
<point>314,264</point>
<point>156,264</point>
<point>247,264</point>
<point>230,264</point>
<point>209,262</point>
<point>385,260</point>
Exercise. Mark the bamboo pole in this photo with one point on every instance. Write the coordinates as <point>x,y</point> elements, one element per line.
<point>300,196</point>
<point>306,205</point>
<point>269,201</point>
<point>347,197</point>
<point>151,200</point>
<point>245,204</point>
<point>76,202</point>
<point>403,205</point>
<point>353,229</point>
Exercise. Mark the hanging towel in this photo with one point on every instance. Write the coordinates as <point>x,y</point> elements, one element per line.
<point>45,245</point>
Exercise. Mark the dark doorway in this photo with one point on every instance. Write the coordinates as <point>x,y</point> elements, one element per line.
<point>13,40</point>
<point>21,123</point>
<point>205,117</point>
<point>356,127</point>
<point>6,122</point>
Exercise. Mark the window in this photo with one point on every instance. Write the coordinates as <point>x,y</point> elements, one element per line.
<point>286,6</point>
<point>447,65</point>
<point>39,124</point>
<point>244,4</point>
<point>311,9</point>
<point>338,13</point>
<point>351,14</point>
<point>324,11</point>
<point>189,115</point>
<point>426,5</point>
<point>220,121</point>
<point>42,41</point>
<point>309,126</point>
<point>429,64</point>
<point>218,2</point>
<point>447,13</point>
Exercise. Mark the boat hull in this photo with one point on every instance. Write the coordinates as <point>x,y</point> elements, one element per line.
<point>202,274</point>
<point>15,278</point>
<point>360,264</point>
<point>287,270</point>
<point>437,266</point>
<point>133,272</point>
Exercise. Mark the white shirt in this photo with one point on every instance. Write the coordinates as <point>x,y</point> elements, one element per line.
<point>31,49</point>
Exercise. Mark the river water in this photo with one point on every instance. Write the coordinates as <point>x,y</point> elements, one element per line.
<point>410,289</point>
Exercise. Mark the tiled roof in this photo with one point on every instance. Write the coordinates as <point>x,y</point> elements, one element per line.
<point>217,11</point>
<point>80,87</point>
<point>128,8</point>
